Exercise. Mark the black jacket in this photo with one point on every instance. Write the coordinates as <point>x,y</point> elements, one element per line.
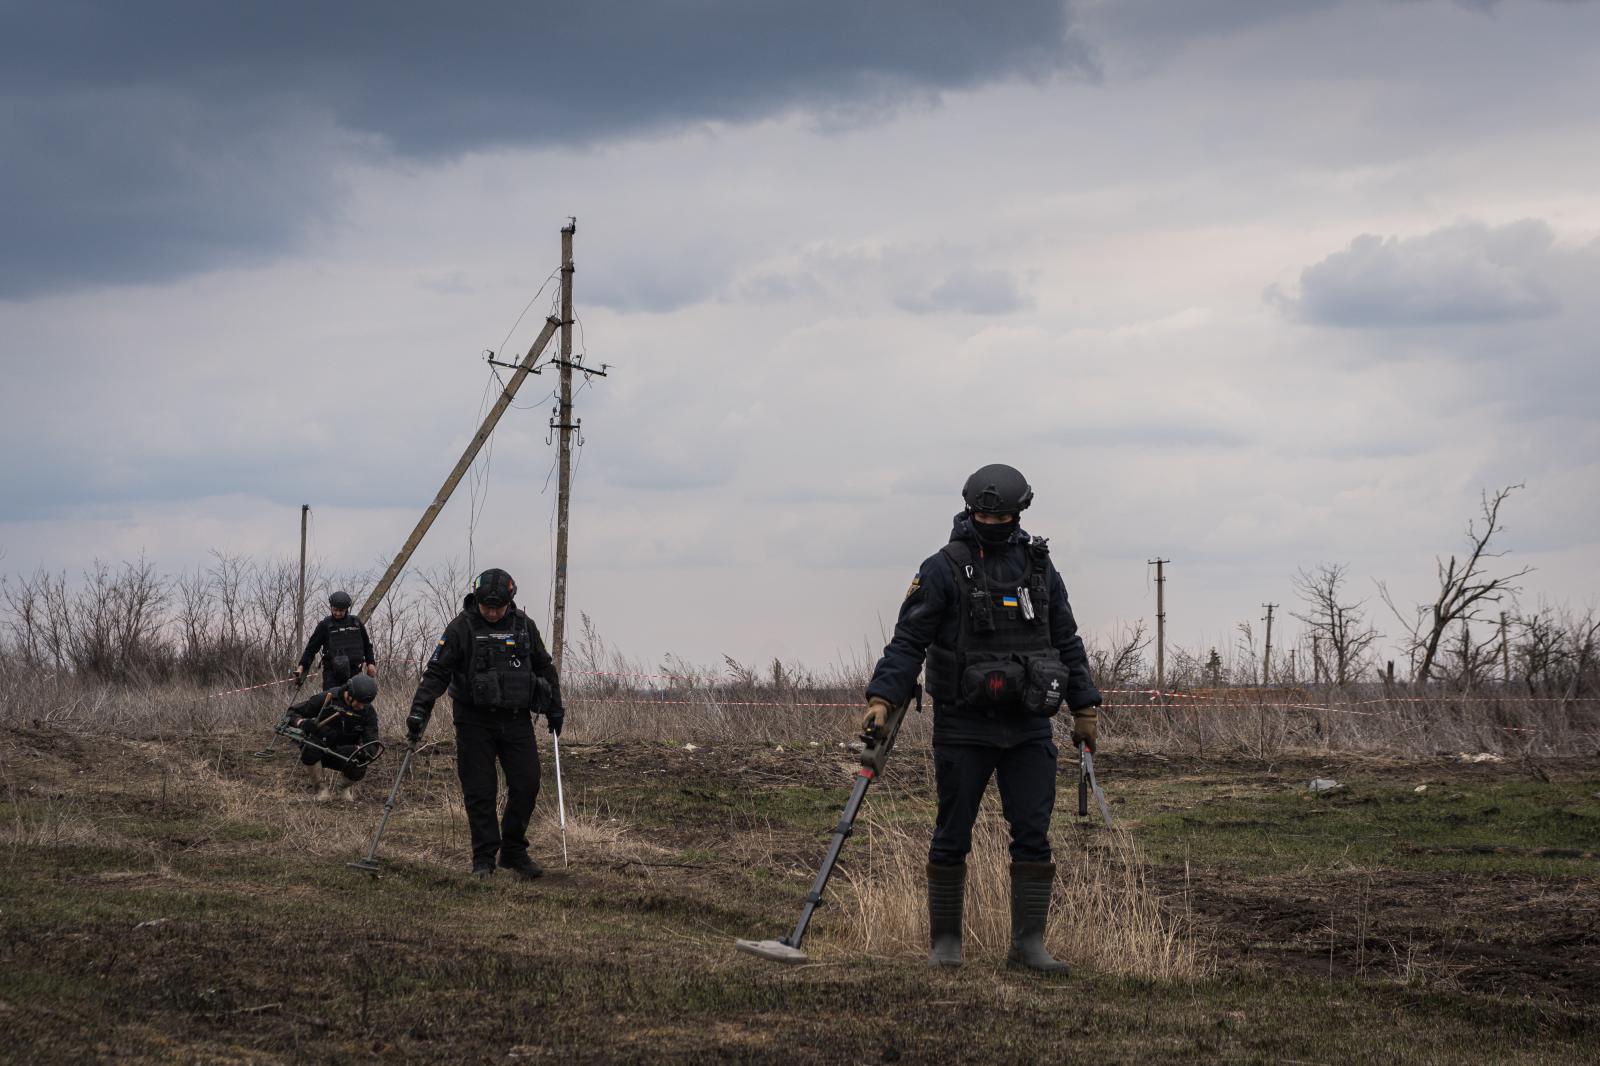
<point>447,666</point>
<point>319,641</point>
<point>343,725</point>
<point>931,614</point>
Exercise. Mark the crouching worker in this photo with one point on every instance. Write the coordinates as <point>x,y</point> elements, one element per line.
<point>990,614</point>
<point>336,730</point>
<point>494,665</point>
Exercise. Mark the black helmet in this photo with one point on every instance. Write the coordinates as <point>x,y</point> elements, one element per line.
<point>340,600</point>
<point>363,688</point>
<point>494,588</point>
<point>997,489</point>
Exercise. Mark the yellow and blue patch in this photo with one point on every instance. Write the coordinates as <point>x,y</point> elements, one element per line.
<point>1008,601</point>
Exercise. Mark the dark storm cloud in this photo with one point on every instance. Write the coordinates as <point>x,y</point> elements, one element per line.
<point>1466,273</point>
<point>147,140</point>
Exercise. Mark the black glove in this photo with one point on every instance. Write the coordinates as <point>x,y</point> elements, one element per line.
<point>308,726</point>
<point>555,716</point>
<point>416,722</point>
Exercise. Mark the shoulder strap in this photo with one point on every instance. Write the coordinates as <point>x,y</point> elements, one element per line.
<point>972,586</point>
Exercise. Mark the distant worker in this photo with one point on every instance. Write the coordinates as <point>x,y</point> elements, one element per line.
<point>990,614</point>
<point>494,664</point>
<point>341,727</point>
<point>342,639</point>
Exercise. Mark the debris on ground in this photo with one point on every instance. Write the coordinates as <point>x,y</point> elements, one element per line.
<point>1323,784</point>
<point>1482,756</point>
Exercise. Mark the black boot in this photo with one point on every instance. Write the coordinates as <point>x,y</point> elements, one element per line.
<point>520,864</point>
<point>947,890</point>
<point>1031,885</point>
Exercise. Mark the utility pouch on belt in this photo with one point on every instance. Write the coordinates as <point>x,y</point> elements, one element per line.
<point>993,686</point>
<point>1045,687</point>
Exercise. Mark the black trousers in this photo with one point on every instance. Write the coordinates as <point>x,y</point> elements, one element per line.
<point>482,737</point>
<point>1027,775</point>
<point>311,756</point>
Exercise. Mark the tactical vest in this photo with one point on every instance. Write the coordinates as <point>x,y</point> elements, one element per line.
<point>346,648</point>
<point>1003,661</point>
<point>500,665</point>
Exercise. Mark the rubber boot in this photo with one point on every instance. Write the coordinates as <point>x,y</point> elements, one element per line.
<point>347,790</point>
<point>947,890</point>
<point>1031,886</point>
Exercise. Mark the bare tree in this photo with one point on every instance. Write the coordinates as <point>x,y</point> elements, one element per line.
<point>1463,589</point>
<point>1338,626</point>
<point>1122,663</point>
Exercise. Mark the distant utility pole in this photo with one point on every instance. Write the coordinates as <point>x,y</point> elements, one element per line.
<point>1161,627</point>
<point>300,599</point>
<point>563,424</point>
<point>1266,658</point>
<point>1505,651</point>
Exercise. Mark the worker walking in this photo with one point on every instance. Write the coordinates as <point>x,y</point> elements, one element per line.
<point>343,641</point>
<point>494,665</point>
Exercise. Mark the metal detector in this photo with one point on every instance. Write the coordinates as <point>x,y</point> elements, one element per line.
<point>878,744</point>
<point>369,862</point>
<point>364,755</point>
<point>1087,784</point>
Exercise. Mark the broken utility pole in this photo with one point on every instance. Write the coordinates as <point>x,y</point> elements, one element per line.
<point>462,465</point>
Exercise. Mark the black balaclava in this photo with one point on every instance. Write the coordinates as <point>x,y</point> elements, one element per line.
<point>994,535</point>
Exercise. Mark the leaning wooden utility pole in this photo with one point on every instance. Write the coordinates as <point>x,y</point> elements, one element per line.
<point>563,425</point>
<point>462,466</point>
<point>1266,658</point>
<point>300,599</point>
<point>1161,629</point>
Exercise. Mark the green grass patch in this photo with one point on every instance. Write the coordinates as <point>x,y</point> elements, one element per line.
<point>1479,827</point>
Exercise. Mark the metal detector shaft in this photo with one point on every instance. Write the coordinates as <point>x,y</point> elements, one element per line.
<point>561,800</point>
<point>1086,762</point>
<point>873,757</point>
<point>1083,785</point>
<point>369,862</point>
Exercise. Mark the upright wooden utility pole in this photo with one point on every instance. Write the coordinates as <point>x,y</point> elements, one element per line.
<point>1161,628</point>
<point>1266,658</point>
<point>563,425</point>
<point>300,599</point>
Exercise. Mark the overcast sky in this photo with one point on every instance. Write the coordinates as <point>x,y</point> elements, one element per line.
<point>1251,285</point>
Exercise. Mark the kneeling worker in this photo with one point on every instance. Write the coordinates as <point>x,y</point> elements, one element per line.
<point>341,720</point>
<point>494,664</point>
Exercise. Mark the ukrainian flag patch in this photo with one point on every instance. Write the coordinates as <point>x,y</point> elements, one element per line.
<point>1008,601</point>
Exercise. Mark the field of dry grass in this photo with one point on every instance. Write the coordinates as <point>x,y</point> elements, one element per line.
<point>166,897</point>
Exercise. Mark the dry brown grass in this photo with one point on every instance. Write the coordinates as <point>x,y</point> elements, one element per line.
<point>1108,916</point>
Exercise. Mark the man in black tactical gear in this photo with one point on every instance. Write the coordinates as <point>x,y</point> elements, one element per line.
<point>340,719</point>
<point>342,639</point>
<point>498,673</point>
<point>990,614</point>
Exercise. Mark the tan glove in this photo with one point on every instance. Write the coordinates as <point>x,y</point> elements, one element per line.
<point>1085,724</point>
<point>877,717</point>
